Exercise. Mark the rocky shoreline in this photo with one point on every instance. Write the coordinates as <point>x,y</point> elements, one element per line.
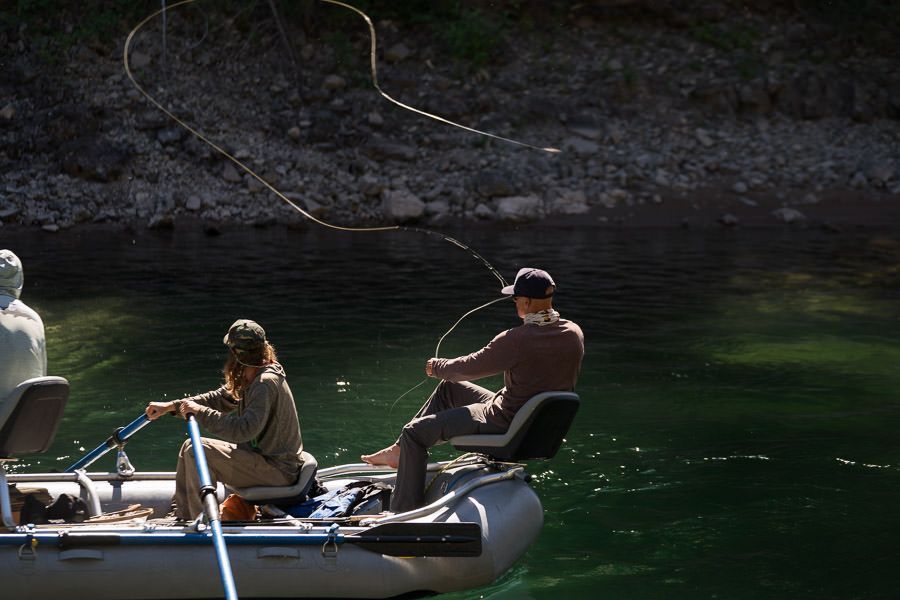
<point>658,125</point>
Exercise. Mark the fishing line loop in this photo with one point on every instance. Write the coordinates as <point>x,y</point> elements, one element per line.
<point>374,68</point>
<point>373,41</point>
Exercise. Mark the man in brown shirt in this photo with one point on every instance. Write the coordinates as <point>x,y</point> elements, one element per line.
<point>543,354</point>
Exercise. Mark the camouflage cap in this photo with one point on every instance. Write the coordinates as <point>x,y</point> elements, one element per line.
<point>245,336</point>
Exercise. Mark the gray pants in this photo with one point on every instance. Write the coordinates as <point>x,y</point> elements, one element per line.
<point>453,409</point>
<point>227,463</point>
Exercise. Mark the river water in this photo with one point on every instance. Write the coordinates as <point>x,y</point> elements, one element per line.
<point>738,432</point>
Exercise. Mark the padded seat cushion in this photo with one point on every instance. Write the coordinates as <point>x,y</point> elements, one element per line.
<point>269,492</point>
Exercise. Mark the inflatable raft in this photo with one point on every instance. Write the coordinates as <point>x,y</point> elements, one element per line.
<point>481,516</point>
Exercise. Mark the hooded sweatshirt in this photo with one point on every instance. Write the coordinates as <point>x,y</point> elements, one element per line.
<point>264,420</point>
<point>23,350</point>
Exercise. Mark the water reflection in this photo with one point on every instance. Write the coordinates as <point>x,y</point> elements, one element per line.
<point>740,403</point>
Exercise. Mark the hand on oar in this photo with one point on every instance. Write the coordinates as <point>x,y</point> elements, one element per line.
<point>157,409</point>
<point>179,408</point>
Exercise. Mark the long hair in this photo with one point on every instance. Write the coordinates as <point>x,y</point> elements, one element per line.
<point>234,367</point>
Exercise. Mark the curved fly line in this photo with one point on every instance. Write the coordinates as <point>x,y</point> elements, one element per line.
<point>374,75</point>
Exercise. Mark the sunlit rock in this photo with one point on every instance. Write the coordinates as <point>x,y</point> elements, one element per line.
<point>788,215</point>
<point>397,53</point>
<point>334,82</point>
<point>570,202</point>
<point>401,206</point>
<point>519,208</point>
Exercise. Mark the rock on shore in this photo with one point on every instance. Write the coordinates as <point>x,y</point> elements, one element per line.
<point>646,113</point>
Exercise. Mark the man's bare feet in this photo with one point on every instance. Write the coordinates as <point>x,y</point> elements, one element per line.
<point>389,457</point>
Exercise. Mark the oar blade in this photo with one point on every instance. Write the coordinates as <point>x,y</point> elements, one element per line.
<point>421,539</point>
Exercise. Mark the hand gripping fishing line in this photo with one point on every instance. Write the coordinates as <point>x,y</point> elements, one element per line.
<point>295,206</point>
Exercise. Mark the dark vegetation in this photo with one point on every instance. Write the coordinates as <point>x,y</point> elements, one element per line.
<point>469,30</point>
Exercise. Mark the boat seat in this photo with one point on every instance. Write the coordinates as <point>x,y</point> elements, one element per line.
<point>30,415</point>
<point>537,430</point>
<point>29,418</point>
<point>283,495</point>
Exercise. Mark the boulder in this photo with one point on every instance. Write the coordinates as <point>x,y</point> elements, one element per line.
<point>586,128</point>
<point>788,215</point>
<point>613,198</point>
<point>93,158</point>
<point>569,202</point>
<point>437,208</point>
<point>483,211</point>
<point>334,82</point>
<point>878,172</point>
<point>492,183</point>
<point>397,53</point>
<point>230,173</point>
<point>728,220</point>
<point>859,180</point>
<point>170,135</point>
<point>580,146</point>
<point>519,208</point>
<point>139,60</point>
<point>371,185</point>
<point>161,221</point>
<point>314,208</point>
<point>401,206</point>
<point>703,137</point>
<point>150,119</point>
<point>193,203</point>
<point>378,148</point>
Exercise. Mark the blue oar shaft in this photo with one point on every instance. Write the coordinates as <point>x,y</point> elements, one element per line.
<point>118,437</point>
<point>211,507</point>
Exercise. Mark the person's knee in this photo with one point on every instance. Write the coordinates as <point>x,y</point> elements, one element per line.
<point>446,387</point>
<point>413,433</point>
<point>187,450</point>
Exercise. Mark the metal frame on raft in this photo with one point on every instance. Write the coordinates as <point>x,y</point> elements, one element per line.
<point>396,535</point>
<point>86,482</point>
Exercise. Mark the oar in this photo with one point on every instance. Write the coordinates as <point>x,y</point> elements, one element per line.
<point>420,539</point>
<point>119,437</point>
<point>392,539</point>
<point>211,507</point>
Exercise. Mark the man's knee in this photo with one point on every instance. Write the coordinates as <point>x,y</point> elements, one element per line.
<point>412,434</point>
<point>446,388</point>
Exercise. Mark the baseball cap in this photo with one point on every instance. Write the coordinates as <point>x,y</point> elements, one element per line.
<point>531,283</point>
<point>245,336</point>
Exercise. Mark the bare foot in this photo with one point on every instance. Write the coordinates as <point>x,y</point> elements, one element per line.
<point>389,457</point>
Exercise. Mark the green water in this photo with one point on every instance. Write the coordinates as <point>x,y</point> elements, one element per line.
<point>738,433</point>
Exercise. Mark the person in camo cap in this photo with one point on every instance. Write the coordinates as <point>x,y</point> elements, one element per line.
<point>23,348</point>
<point>254,414</point>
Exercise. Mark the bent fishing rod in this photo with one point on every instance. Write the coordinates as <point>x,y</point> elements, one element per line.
<point>374,79</point>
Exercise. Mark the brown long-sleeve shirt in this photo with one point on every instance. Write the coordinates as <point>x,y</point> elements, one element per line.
<point>533,359</point>
<point>264,421</point>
